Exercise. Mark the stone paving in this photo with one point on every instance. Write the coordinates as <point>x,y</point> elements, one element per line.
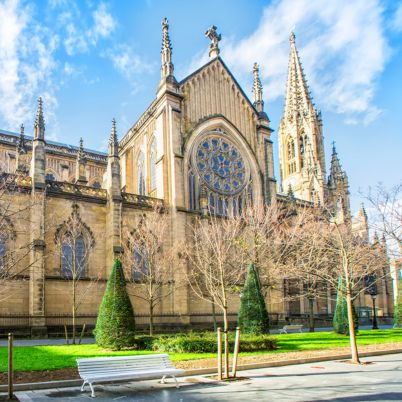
<point>380,380</point>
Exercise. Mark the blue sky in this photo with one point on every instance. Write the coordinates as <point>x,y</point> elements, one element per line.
<point>95,60</point>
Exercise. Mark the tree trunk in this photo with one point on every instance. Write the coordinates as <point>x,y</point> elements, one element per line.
<point>311,313</point>
<point>214,315</point>
<point>352,333</point>
<point>151,319</point>
<point>226,341</point>
<point>74,309</point>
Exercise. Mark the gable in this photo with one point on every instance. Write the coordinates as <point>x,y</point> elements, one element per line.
<point>212,90</point>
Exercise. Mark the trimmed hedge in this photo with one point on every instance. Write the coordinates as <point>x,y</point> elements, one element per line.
<point>341,320</point>
<point>253,314</point>
<point>115,326</point>
<point>201,343</point>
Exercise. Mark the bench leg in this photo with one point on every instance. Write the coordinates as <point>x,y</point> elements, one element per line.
<point>163,380</point>
<point>83,386</point>
<point>177,383</point>
<point>92,390</point>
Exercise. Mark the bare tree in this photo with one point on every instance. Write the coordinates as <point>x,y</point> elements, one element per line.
<point>327,251</point>
<point>385,207</point>
<point>75,242</point>
<point>16,206</point>
<point>216,268</point>
<point>149,259</point>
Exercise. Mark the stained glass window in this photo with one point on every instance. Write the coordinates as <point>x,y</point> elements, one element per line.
<point>141,174</point>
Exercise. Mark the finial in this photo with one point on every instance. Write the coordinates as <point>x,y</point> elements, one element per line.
<point>21,140</point>
<point>81,154</point>
<point>333,147</point>
<point>257,89</point>
<point>215,38</point>
<point>292,37</point>
<point>166,52</point>
<point>39,126</point>
<point>113,142</point>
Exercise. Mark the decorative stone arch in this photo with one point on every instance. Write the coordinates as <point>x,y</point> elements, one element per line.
<point>74,228</point>
<point>95,182</point>
<point>51,175</point>
<point>220,125</point>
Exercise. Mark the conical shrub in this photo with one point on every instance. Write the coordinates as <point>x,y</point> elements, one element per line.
<point>340,319</point>
<point>115,326</point>
<point>253,315</point>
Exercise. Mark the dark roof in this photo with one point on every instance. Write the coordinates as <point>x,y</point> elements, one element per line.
<point>11,138</point>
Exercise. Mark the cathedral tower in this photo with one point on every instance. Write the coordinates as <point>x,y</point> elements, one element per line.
<point>300,138</point>
<point>338,189</point>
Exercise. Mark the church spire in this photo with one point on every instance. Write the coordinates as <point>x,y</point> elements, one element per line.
<point>336,173</point>
<point>113,142</point>
<point>39,126</point>
<point>166,52</point>
<point>257,89</point>
<point>298,99</point>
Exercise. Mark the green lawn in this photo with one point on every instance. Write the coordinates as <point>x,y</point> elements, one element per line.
<point>55,357</point>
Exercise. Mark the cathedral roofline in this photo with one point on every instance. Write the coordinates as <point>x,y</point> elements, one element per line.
<point>218,58</point>
<point>11,138</point>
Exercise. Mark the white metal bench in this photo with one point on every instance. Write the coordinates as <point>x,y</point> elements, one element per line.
<point>106,369</point>
<point>287,328</point>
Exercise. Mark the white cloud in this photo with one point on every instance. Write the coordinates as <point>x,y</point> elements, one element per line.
<point>129,64</point>
<point>79,35</point>
<point>396,23</point>
<point>342,45</point>
<point>104,23</point>
<point>26,66</point>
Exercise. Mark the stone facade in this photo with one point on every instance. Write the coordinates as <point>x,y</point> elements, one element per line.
<point>178,152</point>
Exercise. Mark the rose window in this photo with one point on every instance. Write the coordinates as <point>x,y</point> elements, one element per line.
<point>220,165</point>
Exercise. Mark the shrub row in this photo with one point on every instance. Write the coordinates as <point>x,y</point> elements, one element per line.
<point>201,343</point>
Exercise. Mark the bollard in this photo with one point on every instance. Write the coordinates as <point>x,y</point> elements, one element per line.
<point>219,353</point>
<point>236,352</point>
<point>10,366</point>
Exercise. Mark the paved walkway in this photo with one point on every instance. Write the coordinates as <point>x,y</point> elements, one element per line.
<point>62,341</point>
<point>381,380</point>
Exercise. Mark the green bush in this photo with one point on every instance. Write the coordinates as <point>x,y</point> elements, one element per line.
<point>207,343</point>
<point>340,320</point>
<point>115,326</point>
<point>253,315</point>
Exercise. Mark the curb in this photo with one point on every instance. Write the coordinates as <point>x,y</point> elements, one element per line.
<point>189,373</point>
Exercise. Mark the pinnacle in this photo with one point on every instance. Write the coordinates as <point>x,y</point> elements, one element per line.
<point>113,142</point>
<point>39,126</point>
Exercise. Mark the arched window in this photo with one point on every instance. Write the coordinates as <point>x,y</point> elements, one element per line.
<point>152,165</point>
<point>141,175</point>
<point>50,177</point>
<point>191,191</point>
<point>3,250</point>
<point>140,268</point>
<point>291,156</point>
<point>73,257</point>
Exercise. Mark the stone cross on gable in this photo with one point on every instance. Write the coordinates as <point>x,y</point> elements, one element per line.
<point>215,38</point>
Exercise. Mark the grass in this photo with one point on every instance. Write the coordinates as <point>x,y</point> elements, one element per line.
<point>27,358</point>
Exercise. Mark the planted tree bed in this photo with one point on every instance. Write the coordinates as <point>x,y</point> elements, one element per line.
<point>47,363</point>
<point>72,373</point>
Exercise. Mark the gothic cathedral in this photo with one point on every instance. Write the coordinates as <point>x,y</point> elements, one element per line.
<point>202,146</point>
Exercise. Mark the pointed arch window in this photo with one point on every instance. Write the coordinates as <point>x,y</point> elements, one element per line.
<point>141,175</point>
<point>140,268</point>
<point>73,257</point>
<point>291,156</point>
<point>152,164</point>
<point>191,190</point>
<point>3,252</point>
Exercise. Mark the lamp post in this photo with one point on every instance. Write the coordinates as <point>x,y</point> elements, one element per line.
<point>374,296</point>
